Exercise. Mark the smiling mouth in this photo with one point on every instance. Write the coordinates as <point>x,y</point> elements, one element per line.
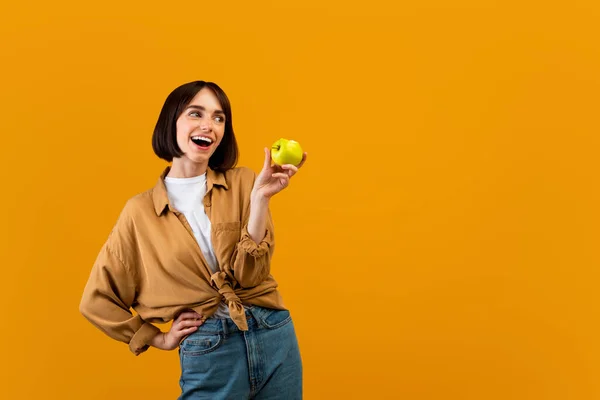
<point>202,141</point>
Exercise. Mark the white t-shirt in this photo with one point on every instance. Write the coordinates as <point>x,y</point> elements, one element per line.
<point>186,195</point>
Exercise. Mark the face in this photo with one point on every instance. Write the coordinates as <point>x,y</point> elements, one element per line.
<point>200,128</point>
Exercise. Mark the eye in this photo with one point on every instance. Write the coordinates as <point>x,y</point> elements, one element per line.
<point>194,114</point>
<point>219,119</point>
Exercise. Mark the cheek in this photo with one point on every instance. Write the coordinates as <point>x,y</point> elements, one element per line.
<point>220,137</point>
<point>181,132</point>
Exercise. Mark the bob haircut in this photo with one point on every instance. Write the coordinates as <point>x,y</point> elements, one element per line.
<point>164,138</point>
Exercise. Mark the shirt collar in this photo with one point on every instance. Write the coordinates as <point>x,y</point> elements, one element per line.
<point>159,193</point>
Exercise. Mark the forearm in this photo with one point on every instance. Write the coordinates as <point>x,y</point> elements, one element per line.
<point>106,301</point>
<point>118,323</point>
<point>257,222</point>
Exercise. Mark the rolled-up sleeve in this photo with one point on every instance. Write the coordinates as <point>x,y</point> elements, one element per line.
<point>252,261</point>
<point>106,301</point>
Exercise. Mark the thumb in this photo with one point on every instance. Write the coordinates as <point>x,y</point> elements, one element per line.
<point>267,163</point>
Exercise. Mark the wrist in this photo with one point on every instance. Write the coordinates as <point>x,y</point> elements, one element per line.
<point>158,340</point>
<point>258,199</point>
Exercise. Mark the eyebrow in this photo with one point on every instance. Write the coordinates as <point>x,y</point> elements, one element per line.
<point>204,109</point>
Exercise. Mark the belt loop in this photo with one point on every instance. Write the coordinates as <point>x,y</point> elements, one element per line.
<point>225,327</point>
<point>254,312</point>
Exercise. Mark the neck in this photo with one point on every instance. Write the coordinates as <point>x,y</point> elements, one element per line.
<point>181,169</point>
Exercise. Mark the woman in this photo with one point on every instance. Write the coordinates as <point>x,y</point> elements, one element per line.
<point>196,249</point>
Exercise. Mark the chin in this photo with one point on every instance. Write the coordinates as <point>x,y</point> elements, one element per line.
<point>199,158</point>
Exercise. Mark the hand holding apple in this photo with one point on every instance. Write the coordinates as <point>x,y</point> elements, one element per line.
<point>288,158</point>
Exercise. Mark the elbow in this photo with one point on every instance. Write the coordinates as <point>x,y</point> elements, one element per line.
<point>252,262</point>
<point>85,307</point>
<point>252,275</point>
<point>247,281</point>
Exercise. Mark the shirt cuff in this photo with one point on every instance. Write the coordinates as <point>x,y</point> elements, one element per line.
<point>140,342</point>
<point>249,246</point>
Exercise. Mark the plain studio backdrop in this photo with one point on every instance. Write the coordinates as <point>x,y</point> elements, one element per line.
<point>441,241</point>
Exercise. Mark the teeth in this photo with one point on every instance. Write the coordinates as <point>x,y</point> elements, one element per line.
<point>204,139</point>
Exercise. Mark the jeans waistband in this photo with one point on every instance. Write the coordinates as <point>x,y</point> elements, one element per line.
<point>227,326</point>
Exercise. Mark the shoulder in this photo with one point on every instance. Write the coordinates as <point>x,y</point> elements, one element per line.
<point>240,174</point>
<point>140,203</point>
<point>136,209</point>
<point>240,178</point>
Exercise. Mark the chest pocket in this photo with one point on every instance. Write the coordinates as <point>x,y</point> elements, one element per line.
<point>226,236</point>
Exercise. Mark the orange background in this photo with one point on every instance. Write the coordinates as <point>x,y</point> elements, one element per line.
<point>440,243</point>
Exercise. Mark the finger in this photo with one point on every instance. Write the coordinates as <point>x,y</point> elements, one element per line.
<point>290,169</point>
<point>281,175</point>
<point>284,180</point>
<point>186,331</point>
<point>188,323</point>
<point>188,315</point>
<point>303,160</point>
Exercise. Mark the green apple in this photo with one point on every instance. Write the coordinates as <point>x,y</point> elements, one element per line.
<point>286,151</point>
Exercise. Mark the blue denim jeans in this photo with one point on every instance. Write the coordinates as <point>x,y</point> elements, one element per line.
<point>219,361</point>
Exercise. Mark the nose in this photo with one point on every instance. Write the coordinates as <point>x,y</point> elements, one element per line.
<point>206,125</point>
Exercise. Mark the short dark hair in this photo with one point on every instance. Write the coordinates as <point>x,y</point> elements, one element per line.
<point>164,138</point>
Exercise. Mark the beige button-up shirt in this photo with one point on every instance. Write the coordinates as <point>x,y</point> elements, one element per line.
<point>151,262</point>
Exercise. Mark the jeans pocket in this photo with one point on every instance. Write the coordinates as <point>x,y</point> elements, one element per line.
<point>274,319</point>
<point>200,344</point>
